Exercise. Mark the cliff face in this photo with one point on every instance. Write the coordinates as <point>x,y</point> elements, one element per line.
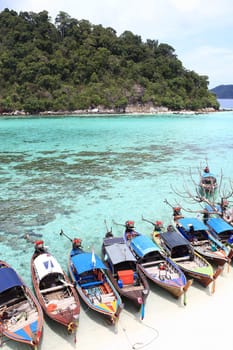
<point>223,91</point>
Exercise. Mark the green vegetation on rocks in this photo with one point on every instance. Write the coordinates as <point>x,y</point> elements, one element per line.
<point>75,65</point>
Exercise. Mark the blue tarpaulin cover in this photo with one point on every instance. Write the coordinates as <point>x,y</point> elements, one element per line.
<point>143,245</point>
<point>84,262</point>
<point>216,207</point>
<point>219,225</point>
<point>197,224</point>
<point>208,175</point>
<point>8,279</point>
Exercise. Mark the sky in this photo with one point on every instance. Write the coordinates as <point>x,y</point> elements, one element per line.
<point>200,31</point>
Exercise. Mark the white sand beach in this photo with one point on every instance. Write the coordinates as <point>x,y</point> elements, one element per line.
<point>204,323</point>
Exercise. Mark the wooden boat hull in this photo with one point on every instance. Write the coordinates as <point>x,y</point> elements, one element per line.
<point>175,287</point>
<point>203,278</point>
<point>222,231</point>
<point>129,281</point>
<point>219,257</point>
<point>98,293</point>
<point>193,265</point>
<point>207,191</point>
<point>197,233</point>
<point>22,319</point>
<point>204,275</point>
<point>136,294</point>
<point>208,184</point>
<point>59,300</point>
<point>157,266</point>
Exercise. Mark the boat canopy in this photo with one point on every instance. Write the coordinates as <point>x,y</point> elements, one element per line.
<point>143,245</point>
<point>174,239</point>
<point>119,252</point>
<point>9,279</point>
<point>84,262</point>
<point>205,175</point>
<point>210,209</point>
<point>219,225</point>
<point>113,240</point>
<point>197,224</point>
<point>46,264</point>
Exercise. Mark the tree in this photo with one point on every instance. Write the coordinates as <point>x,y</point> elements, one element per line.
<point>76,64</point>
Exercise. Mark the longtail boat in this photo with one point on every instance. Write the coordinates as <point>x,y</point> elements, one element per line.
<point>123,271</point>
<point>55,293</point>
<point>182,253</point>
<point>208,183</point>
<point>21,316</point>
<point>203,242</point>
<point>155,264</point>
<point>89,274</point>
<point>221,230</point>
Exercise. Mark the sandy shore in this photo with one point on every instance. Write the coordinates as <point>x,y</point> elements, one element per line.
<point>204,323</point>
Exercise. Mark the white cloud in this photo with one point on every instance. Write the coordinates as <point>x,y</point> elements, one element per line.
<point>184,6</point>
<point>216,62</point>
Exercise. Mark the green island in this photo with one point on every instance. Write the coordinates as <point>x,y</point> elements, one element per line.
<point>76,66</point>
<point>223,91</point>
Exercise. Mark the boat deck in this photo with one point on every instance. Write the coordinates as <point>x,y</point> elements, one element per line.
<point>129,288</point>
<point>22,314</point>
<point>157,273</point>
<point>99,295</point>
<point>191,264</point>
<point>60,299</point>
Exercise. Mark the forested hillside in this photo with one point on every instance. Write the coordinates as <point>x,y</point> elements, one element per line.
<point>75,65</point>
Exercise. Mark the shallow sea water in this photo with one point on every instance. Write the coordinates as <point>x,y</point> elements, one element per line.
<point>82,174</point>
<point>75,173</point>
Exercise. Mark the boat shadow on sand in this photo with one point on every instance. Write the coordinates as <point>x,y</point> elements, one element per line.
<point>160,293</point>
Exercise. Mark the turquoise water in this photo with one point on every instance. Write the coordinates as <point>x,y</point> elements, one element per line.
<point>75,173</point>
<point>226,103</point>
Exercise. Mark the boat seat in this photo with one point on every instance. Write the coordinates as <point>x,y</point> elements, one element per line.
<point>51,289</point>
<point>87,277</point>
<point>182,258</point>
<point>91,284</point>
<point>107,298</point>
<point>155,262</point>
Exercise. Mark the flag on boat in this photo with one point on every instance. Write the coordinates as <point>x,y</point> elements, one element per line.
<point>93,260</point>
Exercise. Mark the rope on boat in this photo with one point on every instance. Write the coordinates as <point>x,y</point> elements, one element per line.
<point>139,345</point>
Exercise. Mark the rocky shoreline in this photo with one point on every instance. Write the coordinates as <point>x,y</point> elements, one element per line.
<point>139,109</point>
